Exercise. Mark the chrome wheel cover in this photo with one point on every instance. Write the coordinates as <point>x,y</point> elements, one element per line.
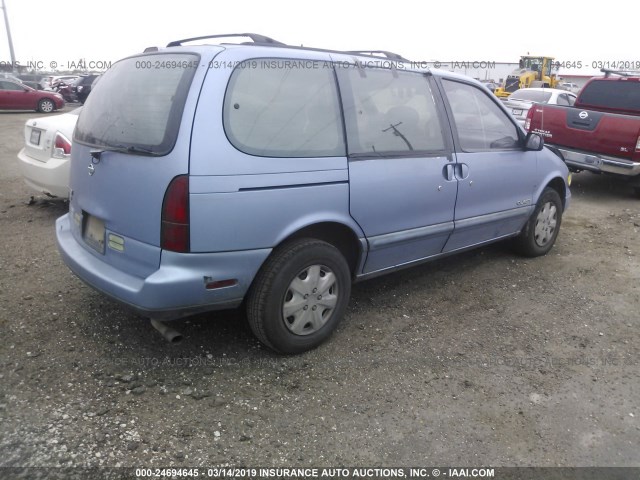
<point>310,300</point>
<point>546,223</point>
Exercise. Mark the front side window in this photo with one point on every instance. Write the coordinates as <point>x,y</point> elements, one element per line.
<point>480,123</point>
<point>389,112</point>
<point>284,108</point>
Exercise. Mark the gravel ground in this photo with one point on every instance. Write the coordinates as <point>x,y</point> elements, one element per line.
<point>481,359</point>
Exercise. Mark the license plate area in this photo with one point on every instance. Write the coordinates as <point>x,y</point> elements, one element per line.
<point>34,139</point>
<point>93,232</point>
<point>517,111</point>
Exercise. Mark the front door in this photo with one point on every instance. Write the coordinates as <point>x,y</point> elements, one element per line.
<point>496,175</point>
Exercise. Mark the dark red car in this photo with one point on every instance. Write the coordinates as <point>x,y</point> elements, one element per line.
<point>17,96</point>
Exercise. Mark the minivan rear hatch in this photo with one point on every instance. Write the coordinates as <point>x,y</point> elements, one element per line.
<point>126,150</point>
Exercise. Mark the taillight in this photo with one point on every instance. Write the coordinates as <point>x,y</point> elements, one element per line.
<point>527,122</point>
<point>174,233</point>
<point>638,145</point>
<point>61,146</point>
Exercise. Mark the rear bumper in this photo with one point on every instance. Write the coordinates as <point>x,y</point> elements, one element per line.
<point>176,289</point>
<point>599,163</point>
<point>50,177</point>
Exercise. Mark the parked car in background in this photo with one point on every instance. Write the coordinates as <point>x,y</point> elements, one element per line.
<point>44,160</point>
<point>520,101</point>
<point>569,87</point>
<point>18,96</point>
<point>45,82</point>
<point>600,133</point>
<point>84,85</point>
<point>67,89</point>
<point>62,79</point>
<point>274,187</point>
<point>491,86</point>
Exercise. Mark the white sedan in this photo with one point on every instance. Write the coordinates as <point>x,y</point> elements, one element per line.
<point>44,160</point>
<point>520,101</point>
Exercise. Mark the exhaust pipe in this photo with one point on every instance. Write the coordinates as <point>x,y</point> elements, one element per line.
<point>171,335</point>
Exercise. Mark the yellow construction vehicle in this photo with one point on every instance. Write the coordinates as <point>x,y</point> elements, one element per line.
<point>532,72</point>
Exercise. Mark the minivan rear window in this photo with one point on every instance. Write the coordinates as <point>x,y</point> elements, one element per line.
<point>137,105</point>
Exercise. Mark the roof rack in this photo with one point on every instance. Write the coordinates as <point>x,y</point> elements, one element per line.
<point>256,38</point>
<point>264,40</point>
<point>623,73</point>
<point>374,53</point>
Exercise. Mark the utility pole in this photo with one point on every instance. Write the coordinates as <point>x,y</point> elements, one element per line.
<point>11,52</point>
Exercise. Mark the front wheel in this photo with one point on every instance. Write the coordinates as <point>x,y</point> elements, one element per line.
<point>299,296</point>
<point>541,230</point>
<point>46,106</point>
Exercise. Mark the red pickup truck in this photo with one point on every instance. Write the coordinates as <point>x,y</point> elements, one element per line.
<point>601,131</point>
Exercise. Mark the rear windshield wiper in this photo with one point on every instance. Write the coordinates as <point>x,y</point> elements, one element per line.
<point>134,149</point>
<point>96,154</point>
<point>121,149</point>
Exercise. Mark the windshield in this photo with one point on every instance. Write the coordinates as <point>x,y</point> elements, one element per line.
<point>531,63</point>
<point>531,96</point>
<point>138,104</point>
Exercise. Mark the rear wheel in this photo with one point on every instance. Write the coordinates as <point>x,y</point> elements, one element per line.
<point>540,232</point>
<point>299,296</point>
<point>46,105</point>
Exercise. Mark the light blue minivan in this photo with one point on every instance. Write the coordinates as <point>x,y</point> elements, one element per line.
<point>262,175</point>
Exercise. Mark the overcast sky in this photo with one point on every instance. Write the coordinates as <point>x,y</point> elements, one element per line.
<point>107,30</point>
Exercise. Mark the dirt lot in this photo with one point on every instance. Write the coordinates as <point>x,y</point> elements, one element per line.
<point>481,359</point>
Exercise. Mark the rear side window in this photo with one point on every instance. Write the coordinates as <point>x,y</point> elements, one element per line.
<point>619,94</point>
<point>138,104</point>
<point>284,108</point>
<point>480,123</point>
<point>389,112</point>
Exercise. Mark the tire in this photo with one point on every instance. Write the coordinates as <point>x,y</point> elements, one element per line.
<point>541,230</point>
<point>46,106</point>
<point>285,306</point>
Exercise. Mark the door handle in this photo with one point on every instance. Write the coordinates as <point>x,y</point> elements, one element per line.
<point>448,171</point>
<point>462,171</point>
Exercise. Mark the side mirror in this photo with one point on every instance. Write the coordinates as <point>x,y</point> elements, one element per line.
<point>533,141</point>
